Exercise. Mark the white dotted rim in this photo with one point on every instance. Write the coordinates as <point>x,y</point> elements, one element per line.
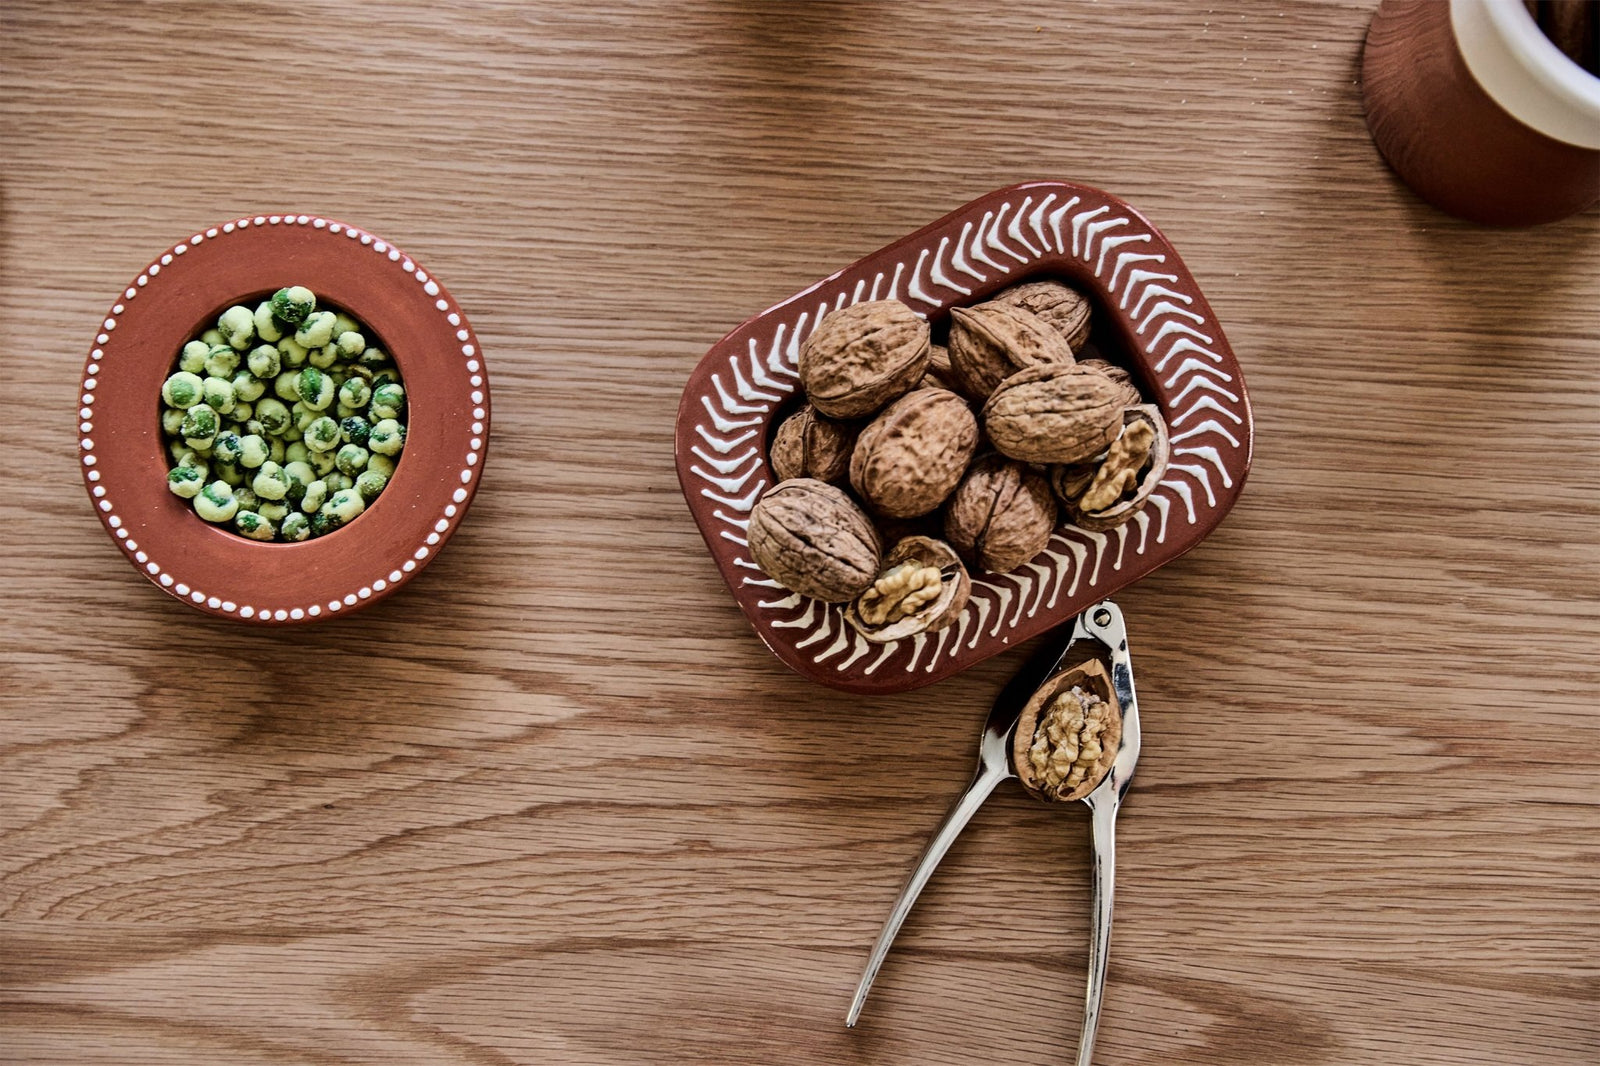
<point>160,572</point>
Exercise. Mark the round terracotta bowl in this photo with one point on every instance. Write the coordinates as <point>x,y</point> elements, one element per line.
<point>180,294</point>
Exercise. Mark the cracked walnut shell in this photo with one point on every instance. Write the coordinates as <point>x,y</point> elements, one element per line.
<point>1108,491</point>
<point>923,588</point>
<point>861,357</point>
<point>811,538</point>
<point>1054,414</point>
<point>808,444</point>
<point>909,458</point>
<point>991,341</point>
<point>1001,514</point>
<point>1068,734</point>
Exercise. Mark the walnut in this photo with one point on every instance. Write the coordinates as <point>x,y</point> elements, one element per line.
<point>922,588</point>
<point>1001,514</point>
<point>1119,376</point>
<point>808,444</point>
<point>861,357</point>
<point>939,375</point>
<point>811,538</point>
<point>1061,307</point>
<point>990,342</point>
<point>1068,734</point>
<point>912,455</point>
<point>1054,414</point>
<point>1109,490</point>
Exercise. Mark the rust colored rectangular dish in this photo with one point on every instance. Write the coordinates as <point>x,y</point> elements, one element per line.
<point>1150,317</point>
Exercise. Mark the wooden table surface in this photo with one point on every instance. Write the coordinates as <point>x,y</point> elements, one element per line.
<point>555,803</point>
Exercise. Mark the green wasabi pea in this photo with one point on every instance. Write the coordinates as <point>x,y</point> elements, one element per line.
<point>215,502</point>
<point>252,425</point>
<point>277,451</point>
<point>316,495</point>
<point>387,400</point>
<point>292,354</point>
<point>293,304</point>
<point>172,421</point>
<point>388,437</point>
<point>369,483</point>
<point>266,323</point>
<point>381,464</point>
<point>247,387</point>
<point>303,416</point>
<point>374,358</point>
<point>182,456</point>
<point>355,392</point>
<point>246,497</point>
<point>238,327</point>
<point>316,330</point>
<point>314,388</point>
<point>222,361</point>
<point>211,338</point>
<point>350,343</point>
<point>183,390</point>
<point>270,482</point>
<point>273,416</point>
<point>200,426</point>
<point>253,451</point>
<point>217,394</point>
<point>193,357</point>
<point>186,481</point>
<point>323,358</point>
<point>343,323</point>
<point>231,473</point>
<point>342,411</point>
<point>355,430</point>
<point>251,524</point>
<point>296,452</point>
<point>274,511</point>
<point>345,505</point>
<point>322,435</point>
<point>338,482</point>
<point>351,459</point>
<point>283,386</point>
<point>294,527</point>
<point>227,447</point>
<point>384,375</point>
<point>264,361</point>
<point>322,463</point>
<point>243,414</point>
<point>323,523</point>
<point>297,475</point>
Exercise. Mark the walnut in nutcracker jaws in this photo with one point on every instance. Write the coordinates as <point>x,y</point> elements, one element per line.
<point>1001,514</point>
<point>808,444</point>
<point>1059,306</point>
<point>861,357</point>
<point>922,588</point>
<point>991,341</point>
<point>1054,414</point>
<point>909,458</point>
<point>811,538</point>
<point>1068,734</point>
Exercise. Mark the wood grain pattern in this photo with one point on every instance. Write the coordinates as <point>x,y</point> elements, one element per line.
<point>554,803</point>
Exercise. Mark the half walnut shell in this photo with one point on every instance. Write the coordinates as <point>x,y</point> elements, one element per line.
<point>922,588</point>
<point>1068,734</point>
<point>1106,492</point>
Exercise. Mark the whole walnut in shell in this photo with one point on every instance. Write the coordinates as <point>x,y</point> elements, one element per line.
<point>1061,307</point>
<point>939,375</point>
<point>991,341</point>
<point>922,588</point>
<point>1054,414</point>
<point>861,357</point>
<point>808,444</point>
<point>811,538</point>
<point>909,458</point>
<point>1001,514</point>
<point>1120,377</point>
<point>1068,734</point>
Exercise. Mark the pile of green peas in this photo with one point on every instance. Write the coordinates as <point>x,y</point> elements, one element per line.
<point>283,423</point>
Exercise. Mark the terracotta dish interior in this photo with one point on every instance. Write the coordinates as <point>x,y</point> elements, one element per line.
<point>1149,316</point>
<point>123,454</point>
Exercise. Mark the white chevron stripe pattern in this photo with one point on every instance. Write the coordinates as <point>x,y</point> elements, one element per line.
<point>1208,418</point>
